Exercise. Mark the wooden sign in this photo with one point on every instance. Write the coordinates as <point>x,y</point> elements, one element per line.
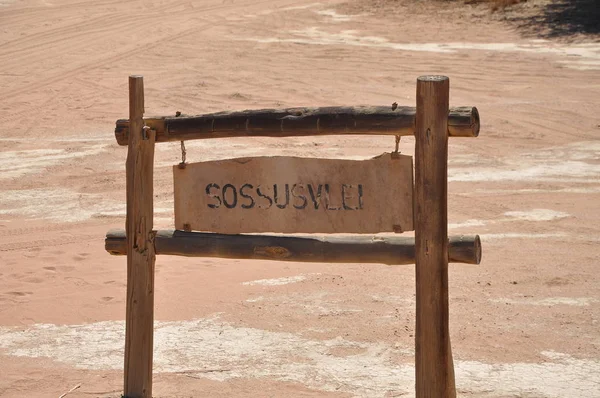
<point>291,194</point>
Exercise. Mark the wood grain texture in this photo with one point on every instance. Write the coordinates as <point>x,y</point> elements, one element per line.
<point>433,354</point>
<point>292,122</point>
<point>140,250</point>
<point>391,250</point>
<point>286,194</point>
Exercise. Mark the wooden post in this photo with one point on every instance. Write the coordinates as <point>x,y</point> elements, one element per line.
<point>433,354</point>
<point>139,322</point>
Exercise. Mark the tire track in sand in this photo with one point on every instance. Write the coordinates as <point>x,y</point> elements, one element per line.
<point>135,49</point>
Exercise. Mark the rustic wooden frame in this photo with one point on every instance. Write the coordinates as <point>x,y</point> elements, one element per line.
<point>431,122</point>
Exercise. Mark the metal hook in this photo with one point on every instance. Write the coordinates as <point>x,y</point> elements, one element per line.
<point>183,155</point>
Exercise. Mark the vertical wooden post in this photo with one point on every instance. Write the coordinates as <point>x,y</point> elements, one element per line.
<point>139,322</point>
<point>433,354</point>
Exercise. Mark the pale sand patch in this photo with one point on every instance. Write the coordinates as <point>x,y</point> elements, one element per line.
<point>276,281</point>
<point>581,64</point>
<point>581,150</point>
<point>528,215</point>
<point>241,352</point>
<point>99,138</point>
<point>318,303</point>
<point>65,205</point>
<point>260,14</point>
<point>123,212</point>
<point>315,36</point>
<point>335,17</point>
<point>255,299</point>
<point>466,224</point>
<point>319,306</point>
<point>19,163</point>
<point>583,190</point>
<point>57,204</point>
<point>397,300</point>
<point>550,301</point>
<point>303,7</point>
<point>465,159</point>
<point>553,171</point>
<point>316,330</point>
<point>520,235</point>
<point>537,215</point>
<point>574,163</point>
<point>292,8</point>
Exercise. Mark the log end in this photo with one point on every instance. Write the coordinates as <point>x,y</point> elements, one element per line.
<point>465,249</point>
<point>477,250</point>
<point>122,132</point>
<point>432,78</point>
<point>154,123</point>
<point>475,122</point>
<point>463,121</point>
<point>115,242</point>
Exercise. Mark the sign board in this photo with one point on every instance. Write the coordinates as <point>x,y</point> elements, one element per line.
<point>292,194</point>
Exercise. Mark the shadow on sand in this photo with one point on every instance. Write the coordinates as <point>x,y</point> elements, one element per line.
<point>562,19</point>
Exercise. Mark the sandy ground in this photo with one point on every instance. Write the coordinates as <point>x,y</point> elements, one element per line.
<point>523,324</point>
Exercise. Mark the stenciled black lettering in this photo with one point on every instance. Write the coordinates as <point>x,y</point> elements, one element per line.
<point>328,199</point>
<point>229,205</point>
<point>346,196</point>
<point>316,199</point>
<point>262,195</point>
<point>246,196</point>
<point>213,195</point>
<point>287,196</point>
<point>299,196</point>
<point>360,196</point>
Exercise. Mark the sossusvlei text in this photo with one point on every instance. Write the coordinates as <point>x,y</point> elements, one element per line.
<point>286,196</point>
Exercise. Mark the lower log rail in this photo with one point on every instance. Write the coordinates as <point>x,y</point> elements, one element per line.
<point>395,250</point>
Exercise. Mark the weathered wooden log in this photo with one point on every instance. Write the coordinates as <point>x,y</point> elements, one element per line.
<point>139,312</point>
<point>377,120</point>
<point>392,250</point>
<point>434,368</point>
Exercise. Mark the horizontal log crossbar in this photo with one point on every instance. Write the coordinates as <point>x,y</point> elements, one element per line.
<point>376,120</point>
<point>395,250</point>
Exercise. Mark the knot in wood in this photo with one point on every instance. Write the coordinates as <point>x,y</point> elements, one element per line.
<point>272,251</point>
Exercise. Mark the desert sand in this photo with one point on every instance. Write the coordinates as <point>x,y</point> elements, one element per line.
<point>524,323</point>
